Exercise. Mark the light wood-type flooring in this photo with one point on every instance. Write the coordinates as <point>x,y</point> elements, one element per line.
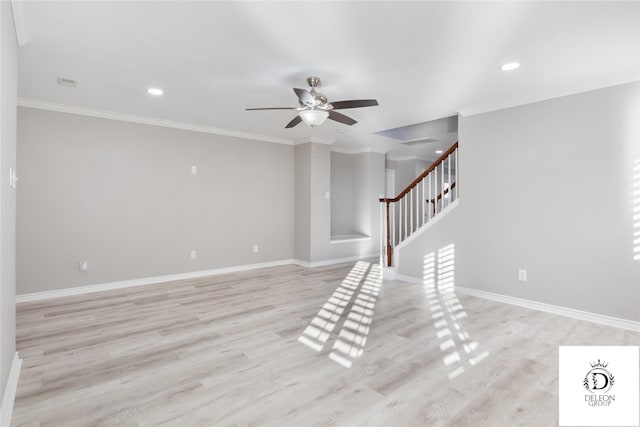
<point>292,346</point>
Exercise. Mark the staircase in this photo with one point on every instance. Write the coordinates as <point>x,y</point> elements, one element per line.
<point>418,204</point>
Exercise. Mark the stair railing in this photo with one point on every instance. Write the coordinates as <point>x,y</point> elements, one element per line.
<point>419,203</point>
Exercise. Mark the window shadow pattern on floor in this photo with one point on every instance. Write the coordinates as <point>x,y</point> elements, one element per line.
<point>350,310</point>
<point>460,351</point>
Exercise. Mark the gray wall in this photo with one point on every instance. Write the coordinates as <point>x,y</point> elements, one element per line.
<point>343,170</point>
<point>313,180</point>
<point>302,214</point>
<point>121,196</point>
<point>8,100</point>
<point>547,187</point>
<point>405,172</point>
<point>368,186</point>
<point>351,194</point>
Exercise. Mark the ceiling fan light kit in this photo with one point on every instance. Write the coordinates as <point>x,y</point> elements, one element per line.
<point>313,117</point>
<point>315,108</point>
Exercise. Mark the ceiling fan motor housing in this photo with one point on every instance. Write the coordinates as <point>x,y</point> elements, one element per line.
<point>313,81</point>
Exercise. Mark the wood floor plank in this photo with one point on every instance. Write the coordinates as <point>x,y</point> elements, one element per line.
<point>230,350</point>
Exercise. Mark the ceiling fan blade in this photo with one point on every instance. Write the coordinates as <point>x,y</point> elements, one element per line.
<point>296,120</point>
<point>354,103</point>
<point>270,108</point>
<point>304,96</point>
<point>339,117</point>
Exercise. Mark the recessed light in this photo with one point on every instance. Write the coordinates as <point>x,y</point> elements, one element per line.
<point>155,91</point>
<point>439,151</point>
<point>510,66</point>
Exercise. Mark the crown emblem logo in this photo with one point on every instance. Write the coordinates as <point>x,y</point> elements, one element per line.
<point>599,364</point>
<point>598,380</point>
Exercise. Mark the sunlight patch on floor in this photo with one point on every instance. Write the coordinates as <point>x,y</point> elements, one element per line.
<point>446,311</point>
<point>317,333</point>
<point>354,301</point>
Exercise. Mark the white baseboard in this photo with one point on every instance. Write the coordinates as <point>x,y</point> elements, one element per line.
<point>80,290</point>
<point>323,263</point>
<point>36,296</point>
<point>9,395</point>
<point>390,273</point>
<point>554,309</point>
<point>602,319</point>
<point>410,279</point>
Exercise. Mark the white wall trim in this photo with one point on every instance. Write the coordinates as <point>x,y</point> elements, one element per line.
<point>533,99</point>
<point>80,290</point>
<point>355,150</point>
<point>350,240</point>
<point>601,319</point>
<point>145,281</point>
<point>9,395</point>
<point>399,158</point>
<point>313,139</point>
<point>112,115</point>
<point>322,263</point>
<point>554,309</point>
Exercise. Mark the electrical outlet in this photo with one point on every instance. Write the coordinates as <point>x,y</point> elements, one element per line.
<point>522,275</point>
<point>256,249</point>
<point>194,170</point>
<point>13,178</point>
<point>84,266</point>
<point>193,255</point>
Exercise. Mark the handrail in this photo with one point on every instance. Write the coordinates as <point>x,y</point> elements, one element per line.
<point>385,209</point>
<point>415,182</point>
<point>446,190</point>
<point>439,197</point>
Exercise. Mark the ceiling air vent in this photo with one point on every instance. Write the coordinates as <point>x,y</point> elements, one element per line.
<point>67,82</point>
<point>419,141</point>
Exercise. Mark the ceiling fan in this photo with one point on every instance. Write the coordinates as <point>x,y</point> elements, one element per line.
<point>314,107</point>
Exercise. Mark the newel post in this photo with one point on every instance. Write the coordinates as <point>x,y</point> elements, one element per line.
<point>389,248</point>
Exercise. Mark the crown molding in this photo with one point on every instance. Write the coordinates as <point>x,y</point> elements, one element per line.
<point>357,150</point>
<point>346,150</point>
<point>313,139</point>
<point>111,115</point>
<point>401,158</point>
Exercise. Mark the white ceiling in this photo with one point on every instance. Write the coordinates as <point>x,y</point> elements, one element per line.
<point>421,60</point>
